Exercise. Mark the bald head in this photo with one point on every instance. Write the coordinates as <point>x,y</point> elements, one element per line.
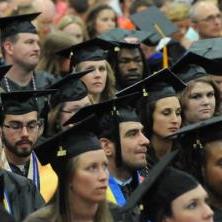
<point>206,18</point>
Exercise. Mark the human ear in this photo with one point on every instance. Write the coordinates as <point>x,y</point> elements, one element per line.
<point>107,146</point>
<point>8,47</point>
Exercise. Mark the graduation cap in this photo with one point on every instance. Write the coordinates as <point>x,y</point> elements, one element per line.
<point>21,102</point>
<point>91,50</point>
<point>192,66</point>
<point>109,115</point>
<point>3,70</point>
<point>126,38</point>
<point>163,77</point>
<point>65,145</point>
<point>201,132</point>
<point>163,185</point>
<point>210,49</point>
<point>70,88</point>
<point>13,25</point>
<point>154,21</point>
<point>157,192</point>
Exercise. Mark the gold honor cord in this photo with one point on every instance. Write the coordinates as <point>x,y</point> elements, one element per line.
<point>165,54</point>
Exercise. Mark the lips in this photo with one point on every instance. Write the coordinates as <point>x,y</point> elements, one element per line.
<point>173,129</point>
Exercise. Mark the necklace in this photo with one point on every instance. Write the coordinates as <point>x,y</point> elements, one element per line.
<point>8,87</point>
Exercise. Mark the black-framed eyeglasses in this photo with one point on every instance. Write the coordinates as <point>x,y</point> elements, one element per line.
<point>18,126</point>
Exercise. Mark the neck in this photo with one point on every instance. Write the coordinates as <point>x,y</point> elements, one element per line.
<point>12,158</point>
<point>161,146</point>
<point>96,98</point>
<point>87,212</point>
<point>121,173</point>
<point>19,75</point>
<point>215,201</point>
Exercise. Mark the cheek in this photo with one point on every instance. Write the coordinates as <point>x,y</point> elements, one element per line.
<point>87,79</point>
<point>84,185</point>
<point>214,173</point>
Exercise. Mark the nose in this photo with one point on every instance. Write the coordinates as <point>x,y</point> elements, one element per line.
<point>144,140</point>
<point>207,212</point>
<point>132,65</point>
<point>205,100</point>
<point>175,118</point>
<point>24,131</point>
<point>103,174</point>
<point>97,73</point>
<point>36,47</point>
<point>111,23</point>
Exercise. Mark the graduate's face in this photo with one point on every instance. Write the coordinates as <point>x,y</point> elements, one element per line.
<point>21,141</point>
<point>105,21</point>
<point>71,107</point>
<point>130,65</point>
<point>166,116</point>
<point>25,51</point>
<point>95,80</point>
<point>90,178</point>
<point>201,103</point>
<point>191,207</point>
<point>133,144</point>
<point>76,31</point>
<point>212,171</point>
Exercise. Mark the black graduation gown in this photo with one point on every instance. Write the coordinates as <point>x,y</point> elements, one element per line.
<point>23,196</point>
<point>4,216</point>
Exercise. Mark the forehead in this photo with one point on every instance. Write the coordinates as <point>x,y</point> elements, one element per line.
<point>215,148</point>
<point>129,52</point>
<point>125,126</point>
<point>196,193</point>
<point>22,118</point>
<point>27,36</point>
<point>207,9</point>
<point>167,102</point>
<point>201,87</point>
<point>106,12</point>
<point>92,156</point>
<point>92,63</point>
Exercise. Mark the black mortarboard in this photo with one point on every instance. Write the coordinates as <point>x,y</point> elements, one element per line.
<point>164,77</point>
<point>154,21</point>
<point>123,36</point>
<point>21,102</point>
<point>3,70</point>
<point>157,191</point>
<point>110,114</point>
<point>65,145</point>
<point>210,49</point>
<point>70,88</point>
<point>201,132</point>
<point>91,50</point>
<point>108,107</point>
<point>13,25</point>
<point>149,182</point>
<point>191,66</point>
<point>68,144</point>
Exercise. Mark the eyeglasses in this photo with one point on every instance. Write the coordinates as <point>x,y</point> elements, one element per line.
<point>18,126</point>
<point>211,18</point>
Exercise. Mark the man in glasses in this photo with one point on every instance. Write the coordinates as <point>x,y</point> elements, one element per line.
<point>206,19</point>
<point>20,128</point>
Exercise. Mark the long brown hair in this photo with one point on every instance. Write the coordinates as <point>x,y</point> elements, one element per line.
<point>110,88</point>
<point>184,95</point>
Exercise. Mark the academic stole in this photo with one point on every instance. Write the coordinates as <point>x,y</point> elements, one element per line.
<point>114,192</point>
<point>33,172</point>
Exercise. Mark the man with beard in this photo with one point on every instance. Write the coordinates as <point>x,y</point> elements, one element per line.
<point>20,129</point>
<point>130,67</point>
<point>20,45</point>
<point>122,138</point>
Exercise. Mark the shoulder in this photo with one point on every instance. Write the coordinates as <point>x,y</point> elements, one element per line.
<point>44,79</point>
<point>42,215</point>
